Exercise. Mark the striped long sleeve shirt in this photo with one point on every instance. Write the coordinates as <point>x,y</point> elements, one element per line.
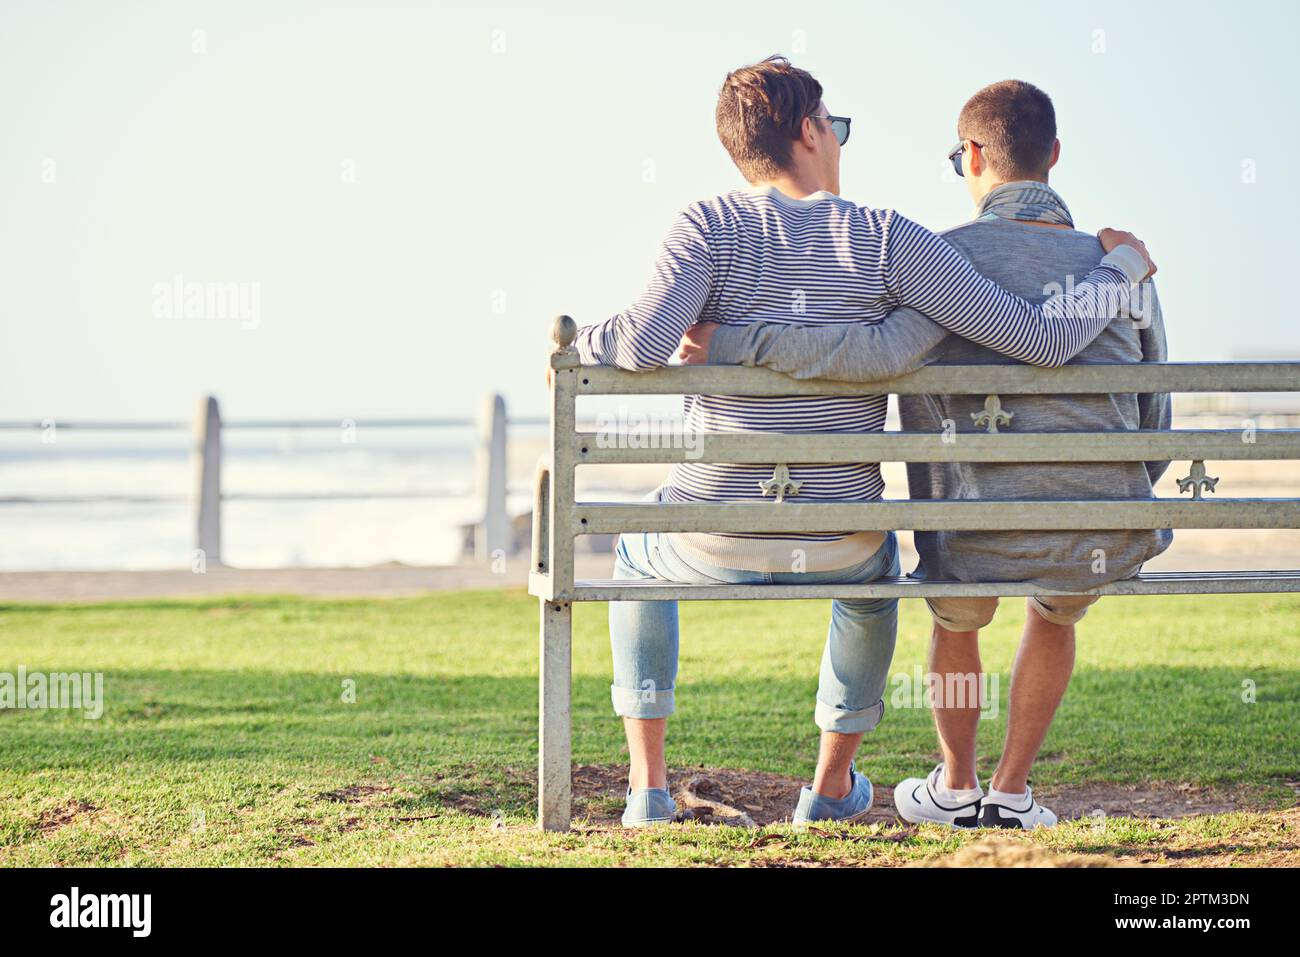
<point>756,255</point>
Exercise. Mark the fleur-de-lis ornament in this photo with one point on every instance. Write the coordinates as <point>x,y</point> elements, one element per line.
<point>993,414</point>
<point>1197,480</point>
<point>780,484</point>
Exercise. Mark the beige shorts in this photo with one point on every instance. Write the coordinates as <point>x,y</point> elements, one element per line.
<point>972,614</point>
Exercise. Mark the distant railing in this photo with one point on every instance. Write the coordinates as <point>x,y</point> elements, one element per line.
<point>493,532</point>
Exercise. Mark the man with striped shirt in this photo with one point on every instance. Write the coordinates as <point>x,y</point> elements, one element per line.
<point>790,250</point>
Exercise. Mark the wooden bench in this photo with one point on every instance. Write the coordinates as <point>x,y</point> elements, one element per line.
<point>559,518</point>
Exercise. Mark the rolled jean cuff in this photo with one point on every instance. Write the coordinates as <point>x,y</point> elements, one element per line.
<point>638,703</point>
<point>849,722</point>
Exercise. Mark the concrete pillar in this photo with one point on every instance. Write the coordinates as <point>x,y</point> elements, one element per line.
<point>205,460</point>
<point>493,532</point>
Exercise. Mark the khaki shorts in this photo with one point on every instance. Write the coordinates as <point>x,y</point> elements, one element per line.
<point>972,614</point>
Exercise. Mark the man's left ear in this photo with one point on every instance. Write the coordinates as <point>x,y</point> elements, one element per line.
<point>1056,154</point>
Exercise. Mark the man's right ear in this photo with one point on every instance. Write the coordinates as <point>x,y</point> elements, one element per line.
<point>808,133</point>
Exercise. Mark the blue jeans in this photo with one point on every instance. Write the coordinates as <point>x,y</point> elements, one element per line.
<point>855,663</point>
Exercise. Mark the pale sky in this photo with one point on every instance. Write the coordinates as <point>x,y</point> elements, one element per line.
<point>415,189</point>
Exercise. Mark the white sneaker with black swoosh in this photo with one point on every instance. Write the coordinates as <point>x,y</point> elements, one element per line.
<point>1015,811</point>
<point>930,800</point>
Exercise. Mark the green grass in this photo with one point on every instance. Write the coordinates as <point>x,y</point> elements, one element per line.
<point>225,732</point>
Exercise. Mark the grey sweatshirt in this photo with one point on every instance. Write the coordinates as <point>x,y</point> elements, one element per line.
<point>1031,261</point>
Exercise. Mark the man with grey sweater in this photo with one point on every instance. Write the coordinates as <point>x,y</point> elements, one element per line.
<point>1023,238</point>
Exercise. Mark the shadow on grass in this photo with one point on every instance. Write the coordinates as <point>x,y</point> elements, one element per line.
<point>1176,724</point>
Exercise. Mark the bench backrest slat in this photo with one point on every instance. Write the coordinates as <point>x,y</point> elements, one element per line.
<point>565,518</point>
<point>1086,378</point>
<point>656,447</point>
<point>792,517</point>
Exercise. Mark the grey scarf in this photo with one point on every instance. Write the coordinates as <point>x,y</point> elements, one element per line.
<point>1026,202</point>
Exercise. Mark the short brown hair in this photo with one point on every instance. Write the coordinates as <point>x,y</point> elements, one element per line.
<point>1015,124</point>
<point>761,109</point>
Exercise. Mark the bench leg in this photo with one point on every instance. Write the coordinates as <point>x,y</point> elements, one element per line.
<point>554,761</point>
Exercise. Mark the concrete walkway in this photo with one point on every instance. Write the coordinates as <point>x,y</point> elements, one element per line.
<point>375,581</point>
<point>1193,550</point>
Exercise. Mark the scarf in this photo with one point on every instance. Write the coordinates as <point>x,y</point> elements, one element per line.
<point>1026,202</point>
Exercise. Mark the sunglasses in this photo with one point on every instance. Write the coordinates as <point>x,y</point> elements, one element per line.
<point>954,157</point>
<point>839,126</point>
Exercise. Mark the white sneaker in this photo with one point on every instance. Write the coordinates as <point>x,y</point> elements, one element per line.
<point>930,800</point>
<point>1015,810</point>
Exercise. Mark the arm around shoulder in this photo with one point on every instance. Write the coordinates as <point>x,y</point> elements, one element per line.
<point>849,352</point>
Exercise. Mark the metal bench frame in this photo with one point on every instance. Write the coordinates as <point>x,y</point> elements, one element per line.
<point>558,518</point>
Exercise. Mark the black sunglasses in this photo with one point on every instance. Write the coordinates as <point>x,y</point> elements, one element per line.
<point>954,157</point>
<point>839,126</point>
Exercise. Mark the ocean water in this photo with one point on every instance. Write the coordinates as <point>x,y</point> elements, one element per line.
<point>147,477</point>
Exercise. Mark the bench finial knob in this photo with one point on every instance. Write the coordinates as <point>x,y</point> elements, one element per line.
<point>563,331</point>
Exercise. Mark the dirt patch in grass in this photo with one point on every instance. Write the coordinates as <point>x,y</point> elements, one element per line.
<point>1268,837</point>
<point>465,792</point>
<point>357,794</point>
<point>52,819</point>
<point>1147,800</point>
<point>766,798</point>
<point>478,790</point>
<point>598,793</point>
